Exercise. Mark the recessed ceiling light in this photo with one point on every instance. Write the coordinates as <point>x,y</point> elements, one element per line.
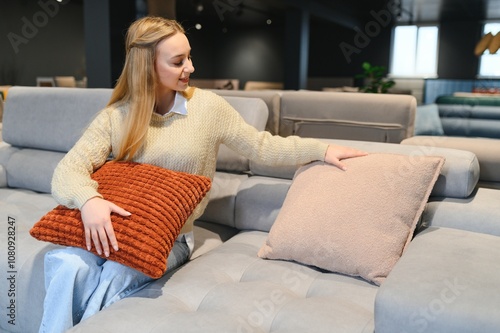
<point>198,26</point>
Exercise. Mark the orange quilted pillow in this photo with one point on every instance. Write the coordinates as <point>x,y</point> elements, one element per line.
<point>160,201</point>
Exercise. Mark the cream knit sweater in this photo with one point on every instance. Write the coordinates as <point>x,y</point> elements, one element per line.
<point>187,143</point>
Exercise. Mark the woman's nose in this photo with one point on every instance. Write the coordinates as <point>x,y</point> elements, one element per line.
<point>189,68</point>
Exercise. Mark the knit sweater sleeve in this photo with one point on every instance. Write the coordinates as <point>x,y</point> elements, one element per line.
<point>72,185</point>
<point>263,147</point>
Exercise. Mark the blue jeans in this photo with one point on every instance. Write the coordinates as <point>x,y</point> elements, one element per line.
<point>78,284</point>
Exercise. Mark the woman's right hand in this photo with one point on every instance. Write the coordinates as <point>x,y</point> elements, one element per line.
<point>96,217</point>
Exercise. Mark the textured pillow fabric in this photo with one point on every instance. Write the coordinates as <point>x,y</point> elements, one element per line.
<point>427,120</point>
<point>356,222</point>
<point>160,201</point>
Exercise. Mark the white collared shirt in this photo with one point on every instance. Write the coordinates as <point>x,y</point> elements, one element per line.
<point>180,104</point>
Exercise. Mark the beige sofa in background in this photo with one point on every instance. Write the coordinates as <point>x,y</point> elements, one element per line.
<point>336,115</point>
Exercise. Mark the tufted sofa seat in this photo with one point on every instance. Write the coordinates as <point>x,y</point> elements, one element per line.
<point>230,289</point>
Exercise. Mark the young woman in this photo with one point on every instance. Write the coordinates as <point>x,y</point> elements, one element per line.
<point>153,117</point>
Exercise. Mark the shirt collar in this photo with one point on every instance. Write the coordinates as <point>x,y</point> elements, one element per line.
<point>180,104</point>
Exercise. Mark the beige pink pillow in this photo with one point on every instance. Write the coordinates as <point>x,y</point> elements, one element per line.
<point>160,201</point>
<point>356,222</point>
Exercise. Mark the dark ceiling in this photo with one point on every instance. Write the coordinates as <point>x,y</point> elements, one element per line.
<point>347,13</point>
<point>447,10</point>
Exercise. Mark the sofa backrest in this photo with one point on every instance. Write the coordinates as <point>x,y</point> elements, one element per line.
<point>42,123</point>
<point>334,115</point>
<point>470,116</point>
<point>255,113</point>
<point>272,98</point>
<point>458,178</point>
<point>253,201</point>
<point>50,118</point>
<point>348,116</point>
<point>470,121</point>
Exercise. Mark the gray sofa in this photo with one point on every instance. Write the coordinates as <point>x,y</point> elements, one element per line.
<point>446,281</point>
<point>475,128</point>
<point>469,116</point>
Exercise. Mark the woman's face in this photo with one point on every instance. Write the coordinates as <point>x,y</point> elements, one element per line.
<point>173,63</point>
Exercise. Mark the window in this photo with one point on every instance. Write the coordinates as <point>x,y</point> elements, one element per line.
<point>414,51</point>
<point>489,63</point>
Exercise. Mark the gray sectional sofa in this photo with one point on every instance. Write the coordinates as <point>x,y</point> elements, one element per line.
<point>446,281</point>
<point>463,123</point>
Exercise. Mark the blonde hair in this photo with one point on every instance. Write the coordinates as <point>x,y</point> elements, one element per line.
<point>137,82</point>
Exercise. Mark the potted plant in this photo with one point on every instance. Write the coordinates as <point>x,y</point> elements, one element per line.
<point>374,79</point>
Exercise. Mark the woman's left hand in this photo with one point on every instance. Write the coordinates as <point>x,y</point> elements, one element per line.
<point>334,155</point>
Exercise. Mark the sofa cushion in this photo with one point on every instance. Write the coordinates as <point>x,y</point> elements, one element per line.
<point>468,100</point>
<point>50,118</point>
<point>458,178</point>
<point>427,121</point>
<point>23,208</point>
<point>160,201</point>
<point>272,98</point>
<point>479,213</point>
<point>32,169</point>
<point>356,222</point>
<point>255,113</point>
<point>6,152</point>
<point>31,111</point>
<point>230,289</point>
<point>259,201</point>
<point>487,151</point>
<point>470,121</point>
<point>223,194</point>
<point>470,127</point>
<point>447,281</point>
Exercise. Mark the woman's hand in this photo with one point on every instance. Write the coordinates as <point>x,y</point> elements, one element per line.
<point>96,217</point>
<point>334,155</point>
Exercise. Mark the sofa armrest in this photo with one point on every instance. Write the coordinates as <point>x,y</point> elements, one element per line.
<point>446,281</point>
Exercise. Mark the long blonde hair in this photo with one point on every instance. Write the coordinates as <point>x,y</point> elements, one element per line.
<point>137,82</point>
